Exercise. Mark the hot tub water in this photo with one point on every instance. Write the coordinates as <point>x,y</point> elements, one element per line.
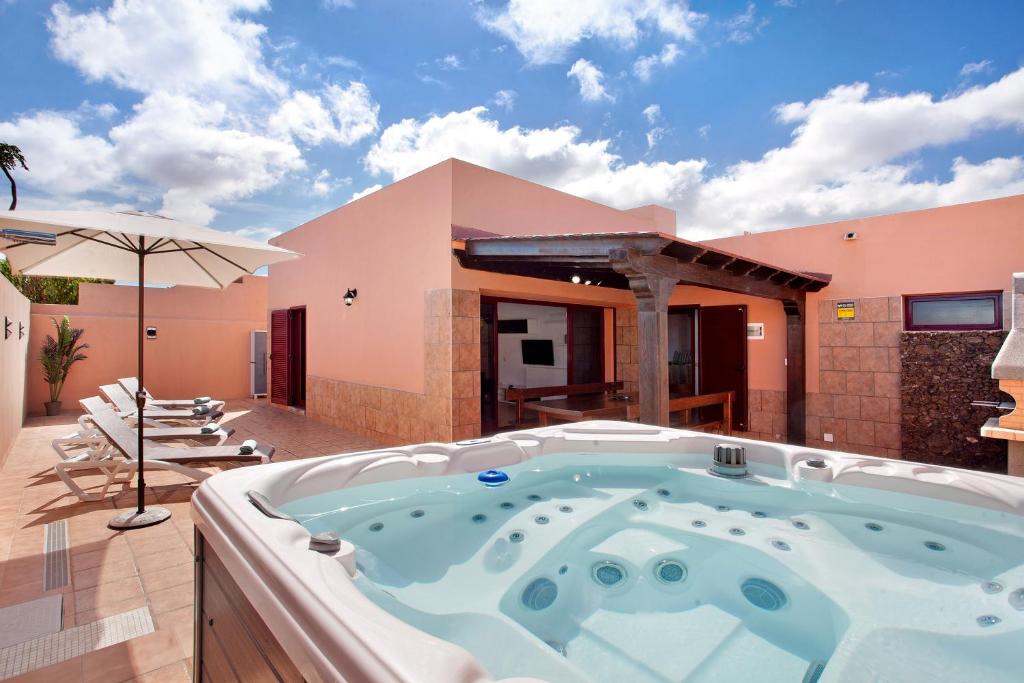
<point>639,570</point>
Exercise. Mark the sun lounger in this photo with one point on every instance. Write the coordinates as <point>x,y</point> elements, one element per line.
<point>89,437</point>
<point>119,455</point>
<point>131,385</point>
<point>124,405</point>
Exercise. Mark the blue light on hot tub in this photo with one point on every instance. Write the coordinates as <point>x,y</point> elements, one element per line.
<point>492,478</point>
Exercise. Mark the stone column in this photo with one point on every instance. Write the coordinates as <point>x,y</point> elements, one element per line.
<point>652,293</point>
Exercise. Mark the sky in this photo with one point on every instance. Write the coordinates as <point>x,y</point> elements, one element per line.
<point>255,116</point>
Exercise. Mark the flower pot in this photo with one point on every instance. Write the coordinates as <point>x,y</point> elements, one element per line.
<point>52,408</point>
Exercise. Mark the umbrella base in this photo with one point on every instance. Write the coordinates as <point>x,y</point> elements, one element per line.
<point>131,519</point>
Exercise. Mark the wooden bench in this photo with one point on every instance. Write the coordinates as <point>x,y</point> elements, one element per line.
<point>519,395</point>
<point>688,403</point>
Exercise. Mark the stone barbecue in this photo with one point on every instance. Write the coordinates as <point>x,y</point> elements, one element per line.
<point>1008,368</point>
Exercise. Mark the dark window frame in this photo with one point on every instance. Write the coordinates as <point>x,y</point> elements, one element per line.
<point>995,296</point>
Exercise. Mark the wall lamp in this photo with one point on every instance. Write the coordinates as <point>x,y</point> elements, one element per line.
<point>350,296</point>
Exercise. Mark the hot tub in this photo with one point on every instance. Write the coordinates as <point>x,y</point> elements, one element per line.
<point>610,553</point>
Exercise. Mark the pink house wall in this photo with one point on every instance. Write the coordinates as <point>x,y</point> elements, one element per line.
<point>14,355</point>
<point>202,344</point>
<point>962,248</point>
<point>502,204</point>
<point>391,246</point>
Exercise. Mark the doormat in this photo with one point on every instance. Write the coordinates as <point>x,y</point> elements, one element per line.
<point>30,620</point>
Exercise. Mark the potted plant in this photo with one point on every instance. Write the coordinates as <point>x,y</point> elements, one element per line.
<point>57,356</point>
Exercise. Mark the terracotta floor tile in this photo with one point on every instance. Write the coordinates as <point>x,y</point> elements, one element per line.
<point>158,561</point>
<point>105,573</point>
<point>69,671</point>
<point>179,622</point>
<point>114,572</point>
<point>166,578</point>
<point>113,591</point>
<point>130,659</point>
<point>98,555</point>
<point>173,673</point>
<point>171,598</point>
<point>109,609</point>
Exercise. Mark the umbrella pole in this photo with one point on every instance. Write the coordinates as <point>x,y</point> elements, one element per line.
<point>141,517</point>
<point>140,393</point>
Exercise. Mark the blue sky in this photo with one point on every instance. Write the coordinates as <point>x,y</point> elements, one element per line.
<point>256,115</point>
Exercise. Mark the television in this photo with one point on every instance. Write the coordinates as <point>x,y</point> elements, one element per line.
<point>538,351</point>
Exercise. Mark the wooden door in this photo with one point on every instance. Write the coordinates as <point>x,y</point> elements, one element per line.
<point>488,366</point>
<point>297,357</point>
<point>585,331</point>
<point>722,334</point>
<point>279,357</point>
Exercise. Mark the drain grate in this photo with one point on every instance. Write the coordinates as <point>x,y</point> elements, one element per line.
<point>74,642</point>
<point>56,558</point>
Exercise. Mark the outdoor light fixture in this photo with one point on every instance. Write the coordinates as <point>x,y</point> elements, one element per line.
<point>350,296</point>
<point>575,279</point>
<point>586,282</point>
<point>28,236</point>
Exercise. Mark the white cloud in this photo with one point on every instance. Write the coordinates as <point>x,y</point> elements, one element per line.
<point>643,67</point>
<point>846,158</point>
<point>975,68</point>
<point>450,63</point>
<point>552,156</point>
<point>652,113</point>
<point>104,110</point>
<point>348,115</point>
<point>850,155</point>
<point>61,158</point>
<point>190,149</point>
<point>591,81</point>
<point>506,99</point>
<point>182,46</point>
<point>654,135</point>
<point>744,26</point>
<point>545,30</point>
<point>338,4</point>
<point>214,122</point>
<point>258,233</point>
<point>362,193</point>
<point>323,184</point>
<point>341,61</point>
<point>704,131</point>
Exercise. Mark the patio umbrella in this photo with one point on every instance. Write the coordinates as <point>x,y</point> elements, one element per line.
<point>132,246</point>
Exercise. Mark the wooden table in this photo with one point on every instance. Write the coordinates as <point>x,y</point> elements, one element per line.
<point>598,406</point>
<point>578,408</point>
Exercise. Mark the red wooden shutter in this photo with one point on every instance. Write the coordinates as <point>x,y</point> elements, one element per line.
<point>279,357</point>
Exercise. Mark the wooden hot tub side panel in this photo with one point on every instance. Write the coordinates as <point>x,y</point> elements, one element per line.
<point>232,643</point>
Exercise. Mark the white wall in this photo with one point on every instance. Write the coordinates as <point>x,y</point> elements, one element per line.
<point>545,322</point>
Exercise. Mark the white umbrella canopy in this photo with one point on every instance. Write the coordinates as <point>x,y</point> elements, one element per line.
<point>105,244</point>
<point>127,245</point>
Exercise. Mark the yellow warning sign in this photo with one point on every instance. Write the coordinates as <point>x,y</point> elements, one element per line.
<point>846,310</point>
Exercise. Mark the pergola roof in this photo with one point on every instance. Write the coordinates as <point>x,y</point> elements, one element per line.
<point>592,256</point>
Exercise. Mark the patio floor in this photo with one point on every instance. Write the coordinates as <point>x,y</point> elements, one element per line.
<point>116,573</point>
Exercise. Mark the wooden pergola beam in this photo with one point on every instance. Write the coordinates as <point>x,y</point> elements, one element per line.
<point>638,261</point>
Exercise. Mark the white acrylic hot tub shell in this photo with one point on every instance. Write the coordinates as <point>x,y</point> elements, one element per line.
<point>333,633</point>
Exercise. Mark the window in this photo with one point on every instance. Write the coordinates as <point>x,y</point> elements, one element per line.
<point>976,311</point>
